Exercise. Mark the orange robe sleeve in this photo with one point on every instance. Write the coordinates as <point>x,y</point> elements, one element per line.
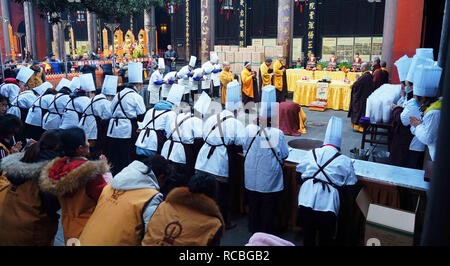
<point>265,76</point>
<point>278,79</point>
<point>225,78</point>
<point>247,83</point>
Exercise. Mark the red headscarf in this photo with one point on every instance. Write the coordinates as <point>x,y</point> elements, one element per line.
<point>11,80</point>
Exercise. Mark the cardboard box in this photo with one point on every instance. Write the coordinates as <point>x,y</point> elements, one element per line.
<point>217,48</point>
<point>221,56</point>
<point>278,51</point>
<point>229,56</point>
<point>245,50</point>
<point>247,57</point>
<point>268,51</point>
<point>238,57</point>
<point>256,69</point>
<point>257,57</point>
<point>234,48</point>
<point>386,226</point>
<point>259,49</point>
<point>251,48</point>
<point>225,48</point>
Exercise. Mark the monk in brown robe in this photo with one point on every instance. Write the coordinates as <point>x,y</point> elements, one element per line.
<point>361,90</point>
<point>378,75</point>
<point>385,72</point>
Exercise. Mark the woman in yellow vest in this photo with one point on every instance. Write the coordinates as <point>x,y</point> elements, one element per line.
<point>127,204</point>
<point>76,182</point>
<point>27,216</point>
<point>188,217</point>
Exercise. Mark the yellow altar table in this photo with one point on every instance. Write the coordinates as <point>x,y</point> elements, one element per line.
<point>339,94</point>
<point>293,75</point>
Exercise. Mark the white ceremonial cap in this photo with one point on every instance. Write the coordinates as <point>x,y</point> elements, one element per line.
<point>176,94</point>
<point>425,52</point>
<point>76,83</point>
<point>214,58</point>
<point>24,74</point>
<point>110,85</point>
<point>43,88</point>
<point>193,61</point>
<point>416,61</point>
<point>333,135</point>
<point>63,83</point>
<point>426,80</point>
<point>268,102</point>
<point>202,104</point>
<point>403,65</point>
<point>208,67</point>
<point>233,96</point>
<point>161,64</point>
<point>135,72</point>
<point>87,83</point>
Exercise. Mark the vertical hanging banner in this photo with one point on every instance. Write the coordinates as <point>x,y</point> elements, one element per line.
<point>188,46</point>
<point>205,30</point>
<point>242,23</point>
<point>105,42</point>
<point>11,42</point>
<point>72,42</point>
<point>311,27</point>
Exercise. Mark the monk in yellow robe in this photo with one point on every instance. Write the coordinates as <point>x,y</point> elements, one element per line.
<point>265,77</point>
<point>225,77</point>
<point>249,86</point>
<point>278,70</point>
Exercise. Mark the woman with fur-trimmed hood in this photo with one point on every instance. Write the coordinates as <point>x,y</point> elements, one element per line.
<point>76,182</point>
<point>27,216</point>
<point>188,217</point>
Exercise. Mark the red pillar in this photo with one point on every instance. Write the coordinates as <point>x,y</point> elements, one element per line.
<point>408,32</point>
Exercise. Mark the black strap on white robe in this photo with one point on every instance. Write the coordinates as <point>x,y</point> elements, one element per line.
<point>270,146</point>
<point>91,105</point>
<point>146,127</point>
<point>56,108</point>
<point>74,109</point>
<point>177,129</point>
<point>119,104</point>
<point>321,170</point>
<point>219,126</point>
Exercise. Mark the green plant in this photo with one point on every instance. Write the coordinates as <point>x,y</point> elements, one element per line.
<point>345,64</point>
<point>322,64</point>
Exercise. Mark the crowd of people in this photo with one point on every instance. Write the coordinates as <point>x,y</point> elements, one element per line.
<point>124,173</point>
<point>415,117</point>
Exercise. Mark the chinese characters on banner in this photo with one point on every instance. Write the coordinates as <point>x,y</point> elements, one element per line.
<point>205,30</point>
<point>242,23</point>
<point>311,27</point>
<point>187,31</point>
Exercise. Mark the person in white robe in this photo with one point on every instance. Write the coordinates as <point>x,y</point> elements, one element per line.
<point>208,68</point>
<point>195,81</point>
<point>78,102</point>
<point>168,80</point>
<point>127,109</point>
<point>323,171</point>
<point>183,77</point>
<point>416,153</point>
<point>95,118</point>
<point>184,142</point>
<point>153,132</point>
<point>265,149</point>
<point>223,135</point>
<point>403,65</point>
<point>52,119</point>
<point>13,87</point>
<point>156,82</point>
<point>215,75</point>
<point>33,122</point>
<point>426,128</point>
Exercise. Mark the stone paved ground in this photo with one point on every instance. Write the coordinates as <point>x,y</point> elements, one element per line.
<point>316,128</point>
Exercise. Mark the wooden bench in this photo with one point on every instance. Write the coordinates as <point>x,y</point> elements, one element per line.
<point>374,130</point>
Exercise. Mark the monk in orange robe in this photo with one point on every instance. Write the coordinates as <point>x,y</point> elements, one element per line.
<point>249,85</point>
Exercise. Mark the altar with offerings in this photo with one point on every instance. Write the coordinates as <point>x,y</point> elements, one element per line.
<point>293,75</point>
<point>338,98</point>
